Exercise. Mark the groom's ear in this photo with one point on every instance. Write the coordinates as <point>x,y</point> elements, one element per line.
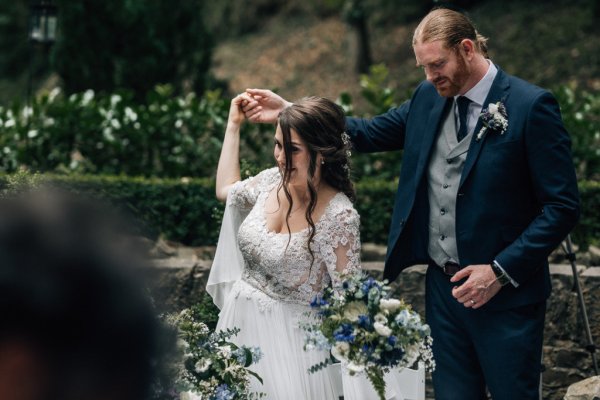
<point>467,48</point>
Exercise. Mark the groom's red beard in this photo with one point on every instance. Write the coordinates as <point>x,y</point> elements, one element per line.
<point>450,86</point>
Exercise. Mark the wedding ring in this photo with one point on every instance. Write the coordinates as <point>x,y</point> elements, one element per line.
<point>472,302</point>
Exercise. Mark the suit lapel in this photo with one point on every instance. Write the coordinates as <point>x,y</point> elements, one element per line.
<point>433,126</point>
<point>498,92</point>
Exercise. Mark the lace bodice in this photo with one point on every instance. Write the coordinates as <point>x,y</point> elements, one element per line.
<point>283,271</point>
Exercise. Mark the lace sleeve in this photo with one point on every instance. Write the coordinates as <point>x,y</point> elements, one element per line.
<point>243,194</point>
<point>345,244</point>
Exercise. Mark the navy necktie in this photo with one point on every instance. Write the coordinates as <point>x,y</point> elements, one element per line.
<point>463,105</point>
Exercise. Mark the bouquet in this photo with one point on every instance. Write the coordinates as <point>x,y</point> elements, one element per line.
<point>367,330</point>
<point>212,367</point>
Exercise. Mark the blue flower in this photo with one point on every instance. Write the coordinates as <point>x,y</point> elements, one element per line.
<point>223,393</point>
<point>368,284</point>
<point>364,321</point>
<point>257,354</point>
<point>392,340</point>
<point>240,355</point>
<point>317,302</point>
<point>345,333</point>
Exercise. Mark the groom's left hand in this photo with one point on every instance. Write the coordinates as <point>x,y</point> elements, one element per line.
<point>481,285</point>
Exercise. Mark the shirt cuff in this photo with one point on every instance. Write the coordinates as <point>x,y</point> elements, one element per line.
<point>511,280</point>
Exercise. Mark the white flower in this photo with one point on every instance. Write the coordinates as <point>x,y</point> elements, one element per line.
<point>493,108</point>
<point>379,317</point>
<point>107,132</point>
<point>27,112</point>
<point>354,309</point>
<point>32,133</point>
<point>115,123</point>
<point>9,123</point>
<point>202,365</point>
<point>53,93</point>
<point>114,99</point>
<point>87,97</point>
<point>130,114</point>
<point>355,368</point>
<point>382,329</point>
<point>340,350</point>
<point>389,304</point>
<point>225,351</point>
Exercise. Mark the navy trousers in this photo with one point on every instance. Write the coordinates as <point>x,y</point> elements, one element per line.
<point>475,349</point>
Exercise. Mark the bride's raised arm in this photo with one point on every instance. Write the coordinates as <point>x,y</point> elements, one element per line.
<point>228,171</point>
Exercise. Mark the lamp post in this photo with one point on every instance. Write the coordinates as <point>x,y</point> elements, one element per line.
<point>42,30</point>
<point>43,22</point>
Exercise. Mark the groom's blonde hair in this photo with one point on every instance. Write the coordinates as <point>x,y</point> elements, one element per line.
<point>451,27</point>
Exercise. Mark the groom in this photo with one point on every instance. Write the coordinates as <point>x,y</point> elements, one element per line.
<point>483,199</point>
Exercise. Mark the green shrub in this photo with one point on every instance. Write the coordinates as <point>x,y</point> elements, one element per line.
<point>165,136</point>
<point>186,210</point>
<point>581,115</point>
<point>179,209</point>
<point>587,230</point>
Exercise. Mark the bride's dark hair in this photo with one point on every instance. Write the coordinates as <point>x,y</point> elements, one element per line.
<point>321,124</point>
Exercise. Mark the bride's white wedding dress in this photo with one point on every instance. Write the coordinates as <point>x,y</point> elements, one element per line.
<point>264,282</point>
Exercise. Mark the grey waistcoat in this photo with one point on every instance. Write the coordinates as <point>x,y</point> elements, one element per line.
<point>443,176</point>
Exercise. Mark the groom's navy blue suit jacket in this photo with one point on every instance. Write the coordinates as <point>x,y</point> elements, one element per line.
<point>517,198</point>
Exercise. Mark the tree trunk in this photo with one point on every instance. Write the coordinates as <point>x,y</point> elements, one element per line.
<point>356,16</point>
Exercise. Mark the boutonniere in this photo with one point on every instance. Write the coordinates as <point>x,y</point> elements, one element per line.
<point>493,117</point>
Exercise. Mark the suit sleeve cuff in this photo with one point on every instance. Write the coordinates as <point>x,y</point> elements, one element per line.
<point>510,279</point>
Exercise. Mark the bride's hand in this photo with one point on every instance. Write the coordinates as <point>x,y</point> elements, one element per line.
<point>236,114</point>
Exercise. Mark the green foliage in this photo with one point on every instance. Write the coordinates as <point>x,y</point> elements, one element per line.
<point>206,311</point>
<point>180,210</point>
<point>380,98</point>
<point>375,376</point>
<point>587,230</point>
<point>134,44</point>
<point>581,116</point>
<point>21,181</point>
<point>13,35</point>
<point>186,210</point>
<point>374,203</point>
<point>167,135</point>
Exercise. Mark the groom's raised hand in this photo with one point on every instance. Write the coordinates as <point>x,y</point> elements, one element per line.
<point>265,107</point>
<point>481,285</point>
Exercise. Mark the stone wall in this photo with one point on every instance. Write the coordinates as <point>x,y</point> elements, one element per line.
<point>181,280</point>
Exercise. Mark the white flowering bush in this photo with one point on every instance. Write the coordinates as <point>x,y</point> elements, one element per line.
<point>367,330</point>
<point>166,135</point>
<point>212,367</point>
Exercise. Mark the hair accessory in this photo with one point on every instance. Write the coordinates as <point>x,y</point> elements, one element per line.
<point>345,138</point>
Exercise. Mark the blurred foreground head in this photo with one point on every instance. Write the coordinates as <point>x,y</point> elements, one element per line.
<point>76,321</point>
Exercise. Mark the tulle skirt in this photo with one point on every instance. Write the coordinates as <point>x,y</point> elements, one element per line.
<point>273,326</point>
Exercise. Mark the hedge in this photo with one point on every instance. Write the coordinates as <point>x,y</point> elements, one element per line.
<point>186,210</point>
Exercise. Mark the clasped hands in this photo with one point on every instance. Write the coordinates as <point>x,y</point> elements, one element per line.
<point>481,285</point>
<point>258,106</point>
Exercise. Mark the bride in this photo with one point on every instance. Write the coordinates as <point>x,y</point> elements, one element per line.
<point>298,230</point>
<point>287,233</point>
